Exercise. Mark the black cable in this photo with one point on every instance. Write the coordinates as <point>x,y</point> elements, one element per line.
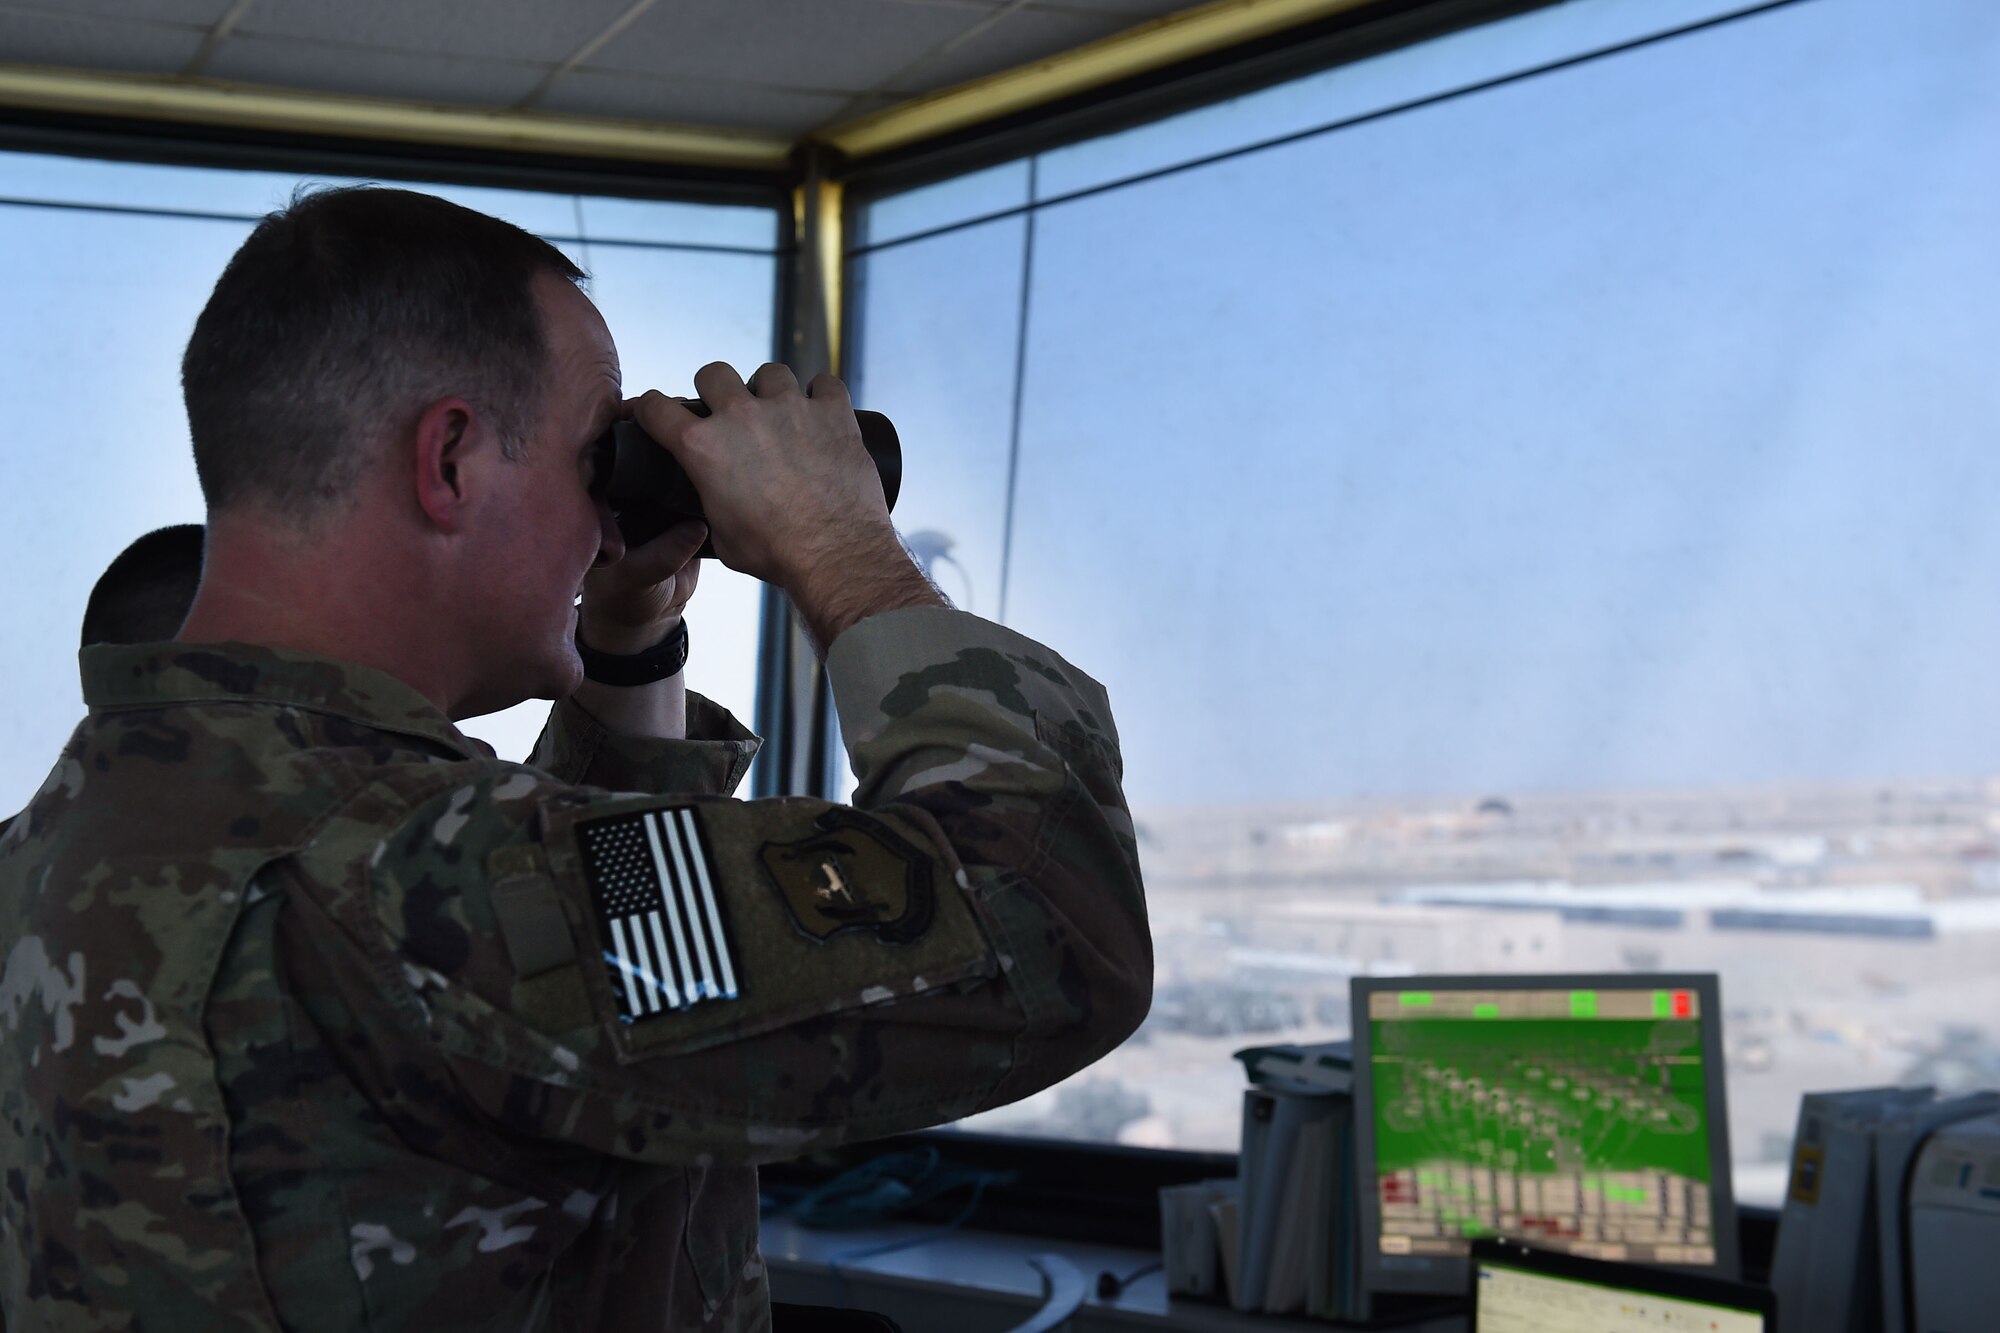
<point>1020,373</point>
<point>1110,1286</point>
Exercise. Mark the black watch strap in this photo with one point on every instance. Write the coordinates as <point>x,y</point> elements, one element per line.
<point>663,659</point>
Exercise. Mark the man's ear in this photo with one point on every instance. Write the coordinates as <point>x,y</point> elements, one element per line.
<point>446,435</point>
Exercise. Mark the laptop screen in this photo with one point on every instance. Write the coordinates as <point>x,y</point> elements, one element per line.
<point>1512,1299</point>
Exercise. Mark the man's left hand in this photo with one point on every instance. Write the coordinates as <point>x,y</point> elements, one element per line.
<point>634,602</point>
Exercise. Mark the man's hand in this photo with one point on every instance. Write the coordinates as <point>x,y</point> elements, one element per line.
<point>790,492</point>
<point>634,602</point>
<point>783,475</point>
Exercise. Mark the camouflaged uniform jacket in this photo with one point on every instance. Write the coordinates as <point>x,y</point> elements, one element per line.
<point>317,1016</point>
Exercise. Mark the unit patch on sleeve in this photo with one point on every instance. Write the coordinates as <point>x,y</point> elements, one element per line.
<point>652,885</point>
<point>853,874</point>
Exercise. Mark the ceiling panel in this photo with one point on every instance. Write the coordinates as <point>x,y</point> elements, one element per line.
<point>528,30</point>
<point>813,45</point>
<point>1132,11</point>
<point>198,13</point>
<point>41,38</point>
<point>691,102</point>
<point>1016,39</point>
<point>370,73</point>
<point>786,67</point>
<point>977,6</point>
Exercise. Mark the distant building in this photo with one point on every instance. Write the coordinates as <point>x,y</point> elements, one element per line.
<point>1891,911</point>
<point>1303,941</point>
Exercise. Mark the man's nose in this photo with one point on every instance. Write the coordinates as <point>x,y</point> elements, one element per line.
<point>610,541</point>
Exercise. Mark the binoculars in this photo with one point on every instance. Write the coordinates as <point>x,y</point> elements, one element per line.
<point>649,492</point>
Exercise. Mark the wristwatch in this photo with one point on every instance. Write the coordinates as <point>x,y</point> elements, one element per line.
<point>663,659</point>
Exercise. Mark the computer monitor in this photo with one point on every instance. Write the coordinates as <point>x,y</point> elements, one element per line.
<point>1583,1114</point>
<point>1517,1289</point>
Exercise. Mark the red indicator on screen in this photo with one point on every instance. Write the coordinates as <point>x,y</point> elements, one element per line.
<point>1683,1004</point>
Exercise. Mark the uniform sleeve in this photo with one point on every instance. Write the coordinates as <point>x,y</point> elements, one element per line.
<point>695,979</point>
<point>576,748</point>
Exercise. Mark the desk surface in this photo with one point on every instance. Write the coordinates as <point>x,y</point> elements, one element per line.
<point>991,1268</point>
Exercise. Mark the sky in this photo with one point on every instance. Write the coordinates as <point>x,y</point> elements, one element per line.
<point>1627,426</point>
<point>95,308</point>
<point>1631,426</point>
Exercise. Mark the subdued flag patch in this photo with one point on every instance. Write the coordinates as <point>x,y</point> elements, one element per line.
<point>652,885</point>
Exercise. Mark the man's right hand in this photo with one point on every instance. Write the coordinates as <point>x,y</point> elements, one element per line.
<point>790,493</point>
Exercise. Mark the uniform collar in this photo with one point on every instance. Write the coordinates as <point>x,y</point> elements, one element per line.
<point>153,675</point>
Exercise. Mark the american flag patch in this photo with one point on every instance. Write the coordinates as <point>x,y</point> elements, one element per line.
<point>652,883</point>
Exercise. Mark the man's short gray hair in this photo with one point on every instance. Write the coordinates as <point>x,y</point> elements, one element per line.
<point>338,321</point>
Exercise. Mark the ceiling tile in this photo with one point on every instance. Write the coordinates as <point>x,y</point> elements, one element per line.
<point>808,45</point>
<point>536,31</point>
<point>35,38</point>
<point>1017,39</point>
<point>364,73</point>
<point>197,13</point>
<point>781,111</point>
<point>1133,11</point>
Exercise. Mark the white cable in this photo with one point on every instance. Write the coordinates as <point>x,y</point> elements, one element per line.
<point>1066,1291</point>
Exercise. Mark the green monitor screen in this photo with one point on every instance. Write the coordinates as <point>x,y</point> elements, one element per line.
<point>1584,1115</point>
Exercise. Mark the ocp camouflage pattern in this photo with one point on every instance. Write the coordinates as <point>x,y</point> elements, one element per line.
<point>306,1020</point>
